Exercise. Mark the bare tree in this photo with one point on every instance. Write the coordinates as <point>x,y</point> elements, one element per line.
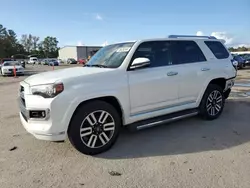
<point>35,40</point>
<point>26,41</point>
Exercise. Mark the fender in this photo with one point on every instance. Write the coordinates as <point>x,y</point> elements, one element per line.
<point>205,85</point>
<point>121,98</point>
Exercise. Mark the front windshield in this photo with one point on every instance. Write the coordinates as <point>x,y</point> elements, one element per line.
<point>110,56</point>
<point>11,64</point>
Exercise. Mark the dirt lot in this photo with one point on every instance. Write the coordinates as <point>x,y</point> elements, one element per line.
<point>189,153</point>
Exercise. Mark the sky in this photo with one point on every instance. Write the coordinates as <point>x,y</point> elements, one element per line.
<point>100,22</point>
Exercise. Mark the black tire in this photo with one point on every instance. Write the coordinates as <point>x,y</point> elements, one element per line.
<point>80,118</point>
<point>212,113</point>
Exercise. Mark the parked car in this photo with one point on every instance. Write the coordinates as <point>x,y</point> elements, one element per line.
<point>5,59</point>
<point>247,58</point>
<point>44,61</point>
<point>82,61</point>
<point>8,68</point>
<point>135,84</point>
<point>22,62</point>
<point>53,62</point>
<point>60,61</point>
<point>33,60</point>
<point>241,61</point>
<point>71,61</point>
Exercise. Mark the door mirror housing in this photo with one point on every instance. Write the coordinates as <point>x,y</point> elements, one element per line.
<point>140,62</point>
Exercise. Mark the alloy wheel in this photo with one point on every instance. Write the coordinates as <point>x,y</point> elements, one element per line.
<point>214,103</point>
<point>97,129</point>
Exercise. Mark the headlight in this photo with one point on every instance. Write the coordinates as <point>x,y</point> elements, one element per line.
<point>48,90</point>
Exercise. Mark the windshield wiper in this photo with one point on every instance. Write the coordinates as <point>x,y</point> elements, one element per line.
<point>96,65</point>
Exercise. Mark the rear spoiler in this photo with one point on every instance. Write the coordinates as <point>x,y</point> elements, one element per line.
<point>222,41</point>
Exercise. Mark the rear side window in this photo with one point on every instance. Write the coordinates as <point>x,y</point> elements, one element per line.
<point>218,49</point>
<point>183,52</point>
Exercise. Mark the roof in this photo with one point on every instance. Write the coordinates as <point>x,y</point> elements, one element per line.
<point>81,46</point>
<point>176,37</point>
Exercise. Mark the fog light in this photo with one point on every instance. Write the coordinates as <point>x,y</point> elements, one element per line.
<point>40,114</point>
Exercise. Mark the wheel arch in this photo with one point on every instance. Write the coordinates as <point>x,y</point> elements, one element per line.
<point>109,99</point>
<point>221,81</point>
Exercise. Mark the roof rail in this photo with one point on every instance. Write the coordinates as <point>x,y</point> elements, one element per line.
<point>191,36</point>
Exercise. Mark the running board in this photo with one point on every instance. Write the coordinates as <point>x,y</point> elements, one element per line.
<point>162,119</point>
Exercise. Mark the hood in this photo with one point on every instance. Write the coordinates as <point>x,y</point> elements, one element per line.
<point>12,67</point>
<point>63,74</point>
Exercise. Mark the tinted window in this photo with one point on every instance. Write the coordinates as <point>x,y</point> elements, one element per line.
<point>157,52</point>
<point>218,49</point>
<point>186,52</point>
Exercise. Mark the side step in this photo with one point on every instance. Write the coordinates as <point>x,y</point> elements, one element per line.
<point>143,124</point>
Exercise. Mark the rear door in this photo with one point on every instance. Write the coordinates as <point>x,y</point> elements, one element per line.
<point>193,69</point>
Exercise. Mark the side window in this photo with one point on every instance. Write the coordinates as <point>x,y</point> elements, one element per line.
<point>218,49</point>
<point>158,52</point>
<point>186,52</point>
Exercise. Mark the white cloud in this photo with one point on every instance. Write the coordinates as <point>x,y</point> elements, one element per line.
<point>105,43</point>
<point>200,33</point>
<point>79,43</point>
<point>229,40</point>
<point>98,17</point>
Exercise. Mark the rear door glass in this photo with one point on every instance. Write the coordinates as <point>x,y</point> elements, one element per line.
<point>183,52</point>
<point>217,49</point>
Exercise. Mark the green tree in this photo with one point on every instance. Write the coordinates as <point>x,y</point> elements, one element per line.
<point>8,42</point>
<point>49,46</point>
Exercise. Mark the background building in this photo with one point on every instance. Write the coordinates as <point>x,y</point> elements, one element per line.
<point>76,52</point>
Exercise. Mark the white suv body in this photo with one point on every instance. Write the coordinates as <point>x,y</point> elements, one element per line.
<point>154,78</point>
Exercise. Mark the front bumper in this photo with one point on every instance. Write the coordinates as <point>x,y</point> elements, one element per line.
<point>229,84</point>
<point>38,130</point>
<point>12,73</point>
<point>52,126</point>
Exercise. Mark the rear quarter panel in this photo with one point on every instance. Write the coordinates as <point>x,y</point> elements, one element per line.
<point>219,68</point>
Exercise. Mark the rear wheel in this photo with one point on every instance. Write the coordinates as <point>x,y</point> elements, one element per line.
<point>94,127</point>
<point>212,103</point>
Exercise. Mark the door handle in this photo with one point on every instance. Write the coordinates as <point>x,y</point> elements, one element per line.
<point>205,69</point>
<point>172,73</point>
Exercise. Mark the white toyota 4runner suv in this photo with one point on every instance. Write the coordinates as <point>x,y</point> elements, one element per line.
<point>136,84</point>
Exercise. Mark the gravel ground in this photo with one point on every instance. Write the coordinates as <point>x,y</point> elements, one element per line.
<point>188,153</point>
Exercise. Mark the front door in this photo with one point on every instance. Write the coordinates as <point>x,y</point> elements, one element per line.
<point>155,87</point>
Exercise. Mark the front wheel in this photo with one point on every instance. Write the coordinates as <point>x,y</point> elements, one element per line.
<point>94,127</point>
<point>212,103</point>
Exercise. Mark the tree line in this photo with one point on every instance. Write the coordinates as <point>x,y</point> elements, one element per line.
<point>239,49</point>
<point>46,48</point>
<point>27,45</point>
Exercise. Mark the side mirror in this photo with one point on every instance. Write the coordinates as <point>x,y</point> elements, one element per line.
<point>140,62</point>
